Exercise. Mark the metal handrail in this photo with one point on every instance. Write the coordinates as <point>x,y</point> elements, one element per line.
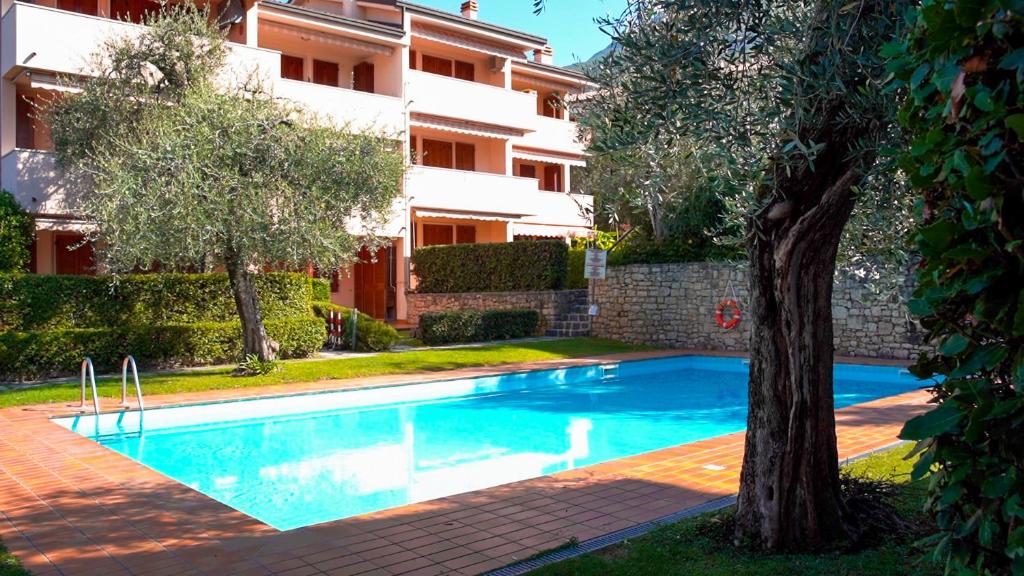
<point>87,368</point>
<point>124,382</point>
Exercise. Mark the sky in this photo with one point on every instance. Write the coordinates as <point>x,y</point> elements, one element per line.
<point>567,24</point>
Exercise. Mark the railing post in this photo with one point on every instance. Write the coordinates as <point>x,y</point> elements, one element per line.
<point>355,327</point>
<point>88,369</point>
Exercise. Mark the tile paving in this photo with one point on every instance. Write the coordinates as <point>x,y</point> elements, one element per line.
<point>71,507</point>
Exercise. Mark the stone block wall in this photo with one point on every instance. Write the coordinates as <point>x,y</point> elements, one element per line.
<point>552,303</point>
<point>673,306</point>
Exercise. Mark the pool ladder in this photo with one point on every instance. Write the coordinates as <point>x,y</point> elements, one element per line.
<point>87,370</point>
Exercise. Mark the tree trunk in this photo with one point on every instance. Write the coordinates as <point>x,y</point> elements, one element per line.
<point>254,334</point>
<point>789,487</point>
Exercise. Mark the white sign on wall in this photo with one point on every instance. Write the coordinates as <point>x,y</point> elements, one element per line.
<point>596,264</point>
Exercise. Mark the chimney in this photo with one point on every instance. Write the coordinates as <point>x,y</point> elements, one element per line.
<point>545,55</point>
<point>470,9</point>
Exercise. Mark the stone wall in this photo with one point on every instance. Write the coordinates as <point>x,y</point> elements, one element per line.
<point>550,303</point>
<point>673,305</point>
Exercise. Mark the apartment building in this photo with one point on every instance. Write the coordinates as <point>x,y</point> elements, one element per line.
<point>476,104</point>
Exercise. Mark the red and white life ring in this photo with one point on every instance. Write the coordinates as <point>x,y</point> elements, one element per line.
<point>734,315</point>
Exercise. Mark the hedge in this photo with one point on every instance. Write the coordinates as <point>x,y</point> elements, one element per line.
<point>456,326</point>
<point>576,265</point>
<point>321,289</point>
<point>30,302</point>
<point>371,335</point>
<point>498,267</point>
<point>46,353</point>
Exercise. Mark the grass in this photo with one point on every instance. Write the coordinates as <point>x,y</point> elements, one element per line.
<point>702,545</point>
<point>9,565</point>
<point>336,369</point>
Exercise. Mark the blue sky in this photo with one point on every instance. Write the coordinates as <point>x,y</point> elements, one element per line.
<point>567,24</point>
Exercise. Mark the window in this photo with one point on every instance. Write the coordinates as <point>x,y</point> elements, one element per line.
<point>291,67</point>
<point>527,171</point>
<point>451,68</point>
<point>437,153</point>
<point>133,10</point>
<point>465,156</point>
<point>25,130</point>
<point>80,6</point>
<point>553,106</point>
<point>77,261</point>
<point>465,234</point>
<point>412,60</point>
<point>437,234</point>
<point>553,178</point>
<point>325,73</point>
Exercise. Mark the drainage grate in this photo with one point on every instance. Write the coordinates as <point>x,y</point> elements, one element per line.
<point>609,539</point>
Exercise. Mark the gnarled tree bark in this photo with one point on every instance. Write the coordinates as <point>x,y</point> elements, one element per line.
<point>254,334</point>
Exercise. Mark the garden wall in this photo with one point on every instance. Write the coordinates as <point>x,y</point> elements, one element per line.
<point>672,305</point>
<point>550,303</point>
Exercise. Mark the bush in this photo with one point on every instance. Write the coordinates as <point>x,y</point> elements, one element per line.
<point>499,267</point>
<point>30,302</point>
<point>46,353</point>
<point>16,232</point>
<point>576,264</point>
<point>456,326</point>
<point>371,335</point>
<point>320,289</point>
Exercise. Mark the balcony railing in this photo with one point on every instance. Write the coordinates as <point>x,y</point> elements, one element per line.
<point>552,134</point>
<point>443,96</point>
<point>361,110</point>
<point>464,191</point>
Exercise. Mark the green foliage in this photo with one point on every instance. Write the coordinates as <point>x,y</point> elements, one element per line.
<point>321,289</point>
<point>16,231</point>
<point>499,267</point>
<point>963,67</point>
<point>45,353</point>
<point>454,326</point>
<point>371,335</point>
<point>251,365</point>
<point>577,260</point>
<point>31,302</point>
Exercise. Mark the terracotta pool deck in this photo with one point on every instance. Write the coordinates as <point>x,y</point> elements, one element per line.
<point>69,506</point>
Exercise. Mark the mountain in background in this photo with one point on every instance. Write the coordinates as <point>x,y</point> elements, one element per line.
<point>595,58</point>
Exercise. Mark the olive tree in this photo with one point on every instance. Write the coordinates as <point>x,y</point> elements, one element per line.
<point>791,99</point>
<point>187,162</point>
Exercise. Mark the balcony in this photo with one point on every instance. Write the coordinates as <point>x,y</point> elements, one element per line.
<point>62,42</point>
<point>552,134</point>
<point>464,191</point>
<point>360,110</point>
<point>452,98</point>
<point>35,181</point>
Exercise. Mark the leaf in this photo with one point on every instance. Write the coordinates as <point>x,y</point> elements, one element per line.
<point>984,358</point>
<point>983,101</point>
<point>978,185</point>
<point>1013,60</point>
<point>1018,318</point>
<point>930,424</point>
<point>939,234</point>
<point>920,307</point>
<point>1015,543</point>
<point>1015,122</point>
<point>920,74</point>
<point>998,486</point>
<point>954,345</point>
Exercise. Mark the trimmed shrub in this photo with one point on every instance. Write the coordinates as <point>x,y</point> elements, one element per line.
<point>320,289</point>
<point>499,267</point>
<point>576,263</point>
<point>456,326</point>
<point>45,353</point>
<point>371,335</point>
<point>29,302</point>
<point>16,232</point>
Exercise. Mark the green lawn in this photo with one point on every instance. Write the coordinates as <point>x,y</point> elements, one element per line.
<point>336,369</point>
<point>701,545</point>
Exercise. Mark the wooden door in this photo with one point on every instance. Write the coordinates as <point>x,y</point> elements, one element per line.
<point>78,261</point>
<point>291,67</point>
<point>465,71</point>
<point>465,156</point>
<point>373,283</point>
<point>325,73</point>
<point>553,178</point>
<point>362,77</point>
<point>437,234</point>
<point>24,125</point>
<point>527,171</point>
<point>437,153</point>
<point>436,65</point>
<point>81,6</point>
<point>552,106</point>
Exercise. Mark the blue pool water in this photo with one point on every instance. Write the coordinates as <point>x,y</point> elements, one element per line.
<point>300,460</point>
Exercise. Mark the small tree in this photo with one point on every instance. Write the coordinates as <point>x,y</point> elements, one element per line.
<point>963,64</point>
<point>185,164</point>
<point>15,234</point>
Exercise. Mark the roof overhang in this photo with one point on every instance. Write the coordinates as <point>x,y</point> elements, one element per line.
<point>440,18</point>
<point>545,73</point>
<point>546,231</point>
<point>309,19</point>
<point>546,157</point>
<point>465,215</point>
<point>465,41</point>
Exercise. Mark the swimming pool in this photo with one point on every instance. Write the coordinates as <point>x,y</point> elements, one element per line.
<point>298,460</point>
